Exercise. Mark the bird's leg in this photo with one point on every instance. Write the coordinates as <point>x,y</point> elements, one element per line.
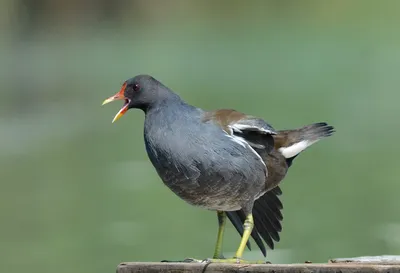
<point>218,257</point>
<point>248,227</point>
<point>218,246</point>
<point>221,228</point>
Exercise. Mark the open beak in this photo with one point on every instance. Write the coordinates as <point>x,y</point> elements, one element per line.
<point>119,96</point>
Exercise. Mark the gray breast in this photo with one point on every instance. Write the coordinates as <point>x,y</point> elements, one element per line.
<point>201,163</point>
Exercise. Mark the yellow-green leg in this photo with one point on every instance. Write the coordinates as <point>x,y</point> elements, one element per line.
<point>218,246</point>
<point>248,227</point>
<point>220,237</point>
<point>218,257</point>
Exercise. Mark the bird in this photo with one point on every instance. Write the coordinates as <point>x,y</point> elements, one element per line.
<point>221,160</point>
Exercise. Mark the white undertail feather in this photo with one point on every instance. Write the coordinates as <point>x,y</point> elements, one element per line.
<point>295,149</point>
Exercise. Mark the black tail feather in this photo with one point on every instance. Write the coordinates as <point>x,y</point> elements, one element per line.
<point>272,216</point>
<point>289,161</point>
<point>265,228</point>
<point>267,217</point>
<point>276,191</point>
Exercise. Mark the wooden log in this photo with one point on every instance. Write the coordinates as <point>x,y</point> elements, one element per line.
<point>337,267</point>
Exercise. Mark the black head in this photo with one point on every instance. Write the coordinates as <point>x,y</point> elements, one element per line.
<point>142,92</point>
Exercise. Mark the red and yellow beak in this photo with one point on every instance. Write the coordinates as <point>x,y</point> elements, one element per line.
<point>119,96</point>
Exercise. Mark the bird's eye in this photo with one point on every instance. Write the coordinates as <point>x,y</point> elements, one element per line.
<point>136,87</point>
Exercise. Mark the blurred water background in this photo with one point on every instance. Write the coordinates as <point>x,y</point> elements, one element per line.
<point>78,194</point>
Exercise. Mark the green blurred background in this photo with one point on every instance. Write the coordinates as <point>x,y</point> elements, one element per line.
<point>78,194</point>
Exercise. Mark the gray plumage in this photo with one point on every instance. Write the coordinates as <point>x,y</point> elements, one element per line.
<point>199,161</point>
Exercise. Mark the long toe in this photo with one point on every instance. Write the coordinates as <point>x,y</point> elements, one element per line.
<point>187,260</point>
<point>233,261</point>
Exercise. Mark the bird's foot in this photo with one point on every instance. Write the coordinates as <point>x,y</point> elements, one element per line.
<point>187,260</point>
<point>219,260</point>
<point>233,261</point>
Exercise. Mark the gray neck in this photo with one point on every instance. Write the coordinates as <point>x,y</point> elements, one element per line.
<point>166,99</point>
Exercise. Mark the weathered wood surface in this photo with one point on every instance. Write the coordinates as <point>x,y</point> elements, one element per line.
<point>385,259</point>
<point>336,267</point>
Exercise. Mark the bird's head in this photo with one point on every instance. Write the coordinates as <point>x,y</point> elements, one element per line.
<point>138,92</point>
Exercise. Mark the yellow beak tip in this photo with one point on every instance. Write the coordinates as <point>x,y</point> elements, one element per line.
<point>117,117</point>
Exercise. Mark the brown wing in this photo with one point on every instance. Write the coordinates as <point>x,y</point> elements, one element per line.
<point>224,117</point>
<point>256,132</point>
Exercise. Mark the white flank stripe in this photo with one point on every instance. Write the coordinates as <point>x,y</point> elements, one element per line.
<point>294,149</point>
<point>238,140</point>
<point>244,143</point>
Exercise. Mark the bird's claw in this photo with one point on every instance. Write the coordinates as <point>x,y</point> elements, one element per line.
<point>187,260</point>
<point>192,260</point>
<point>233,260</point>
